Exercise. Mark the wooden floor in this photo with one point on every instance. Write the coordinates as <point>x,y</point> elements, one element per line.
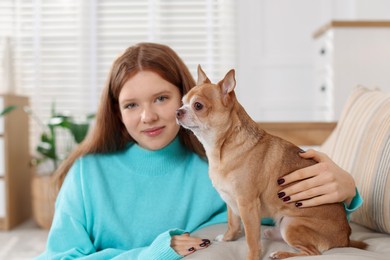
<point>26,241</point>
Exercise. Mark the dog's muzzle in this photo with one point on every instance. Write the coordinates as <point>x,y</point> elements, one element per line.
<point>180,113</point>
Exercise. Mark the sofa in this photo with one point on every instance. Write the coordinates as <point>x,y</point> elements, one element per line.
<point>359,143</point>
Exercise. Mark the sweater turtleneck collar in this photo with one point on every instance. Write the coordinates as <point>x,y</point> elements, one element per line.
<point>157,162</point>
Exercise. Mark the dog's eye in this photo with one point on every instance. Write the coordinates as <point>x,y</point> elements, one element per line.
<point>198,106</point>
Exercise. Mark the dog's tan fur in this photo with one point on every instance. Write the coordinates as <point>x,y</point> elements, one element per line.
<point>245,163</point>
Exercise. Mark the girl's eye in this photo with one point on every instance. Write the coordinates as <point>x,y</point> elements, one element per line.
<point>131,105</point>
<point>161,98</point>
<point>198,106</point>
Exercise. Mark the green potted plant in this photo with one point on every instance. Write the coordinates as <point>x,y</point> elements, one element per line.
<point>49,145</point>
<point>54,146</point>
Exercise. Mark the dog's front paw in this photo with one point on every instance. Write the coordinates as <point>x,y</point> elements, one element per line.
<point>281,255</point>
<point>274,255</point>
<point>219,238</point>
<point>228,236</point>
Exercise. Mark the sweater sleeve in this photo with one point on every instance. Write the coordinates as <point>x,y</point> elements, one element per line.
<point>159,249</point>
<point>356,202</point>
<point>69,237</point>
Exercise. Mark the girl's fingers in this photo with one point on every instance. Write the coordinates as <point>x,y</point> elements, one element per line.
<point>313,179</point>
<point>185,244</point>
<point>328,189</point>
<point>301,174</point>
<point>315,155</point>
<point>324,199</point>
<point>307,172</point>
<point>321,183</point>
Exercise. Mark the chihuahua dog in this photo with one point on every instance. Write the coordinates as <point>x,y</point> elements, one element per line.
<point>245,163</point>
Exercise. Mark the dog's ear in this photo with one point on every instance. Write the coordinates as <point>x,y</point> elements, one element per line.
<point>228,85</point>
<point>202,78</point>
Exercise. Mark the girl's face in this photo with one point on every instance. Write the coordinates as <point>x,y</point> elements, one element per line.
<point>148,105</point>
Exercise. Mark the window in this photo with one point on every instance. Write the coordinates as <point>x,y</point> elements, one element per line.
<point>64,48</point>
<point>6,26</point>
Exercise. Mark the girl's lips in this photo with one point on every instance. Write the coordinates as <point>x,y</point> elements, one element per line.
<point>153,131</point>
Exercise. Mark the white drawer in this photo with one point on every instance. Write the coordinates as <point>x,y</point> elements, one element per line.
<point>323,114</point>
<point>323,88</point>
<point>2,199</point>
<point>324,51</point>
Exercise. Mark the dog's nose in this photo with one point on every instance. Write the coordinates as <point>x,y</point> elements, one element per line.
<point>180,113</point>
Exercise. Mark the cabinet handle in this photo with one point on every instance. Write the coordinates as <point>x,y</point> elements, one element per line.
<point>322,51</point>
<point>323,88</point>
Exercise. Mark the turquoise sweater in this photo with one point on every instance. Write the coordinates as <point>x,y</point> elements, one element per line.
<point>128,204</point>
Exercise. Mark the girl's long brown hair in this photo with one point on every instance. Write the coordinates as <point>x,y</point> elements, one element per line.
<point>109,134</point>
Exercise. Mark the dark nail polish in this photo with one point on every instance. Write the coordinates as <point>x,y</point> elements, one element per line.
<point>280,181</point>
<point>191,249</point>
<point>285,199</point>
<point>298,204</point>
<point>206,242</point>
<point>301,151</point>
<point>281,194</point>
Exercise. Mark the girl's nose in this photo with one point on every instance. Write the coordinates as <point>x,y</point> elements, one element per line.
<point>148,115</point>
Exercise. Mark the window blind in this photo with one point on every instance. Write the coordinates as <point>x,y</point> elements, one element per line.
<point>64,49</point>
<point>6,30</point>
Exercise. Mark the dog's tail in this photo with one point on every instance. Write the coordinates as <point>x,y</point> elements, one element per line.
<point>358,244</point>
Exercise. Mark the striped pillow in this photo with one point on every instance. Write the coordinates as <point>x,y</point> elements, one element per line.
<point>360,144</point>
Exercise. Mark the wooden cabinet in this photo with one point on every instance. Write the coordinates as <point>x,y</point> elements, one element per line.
<point>15,177</point>
<point>349,53</point>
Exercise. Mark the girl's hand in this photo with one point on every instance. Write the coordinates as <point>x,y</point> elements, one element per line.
<point>322,183</point>
<point>185,244</point>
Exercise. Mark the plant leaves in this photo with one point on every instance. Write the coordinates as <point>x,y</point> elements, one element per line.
<point>47,145</point>
<point>46,149</point>
<point>78,130</point>
<point>7,110</point>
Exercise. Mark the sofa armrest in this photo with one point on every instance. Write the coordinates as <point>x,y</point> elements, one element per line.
<point>300,133</point>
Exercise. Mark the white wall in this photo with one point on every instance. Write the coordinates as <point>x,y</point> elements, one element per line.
<point>275,71</point>
<point>373,9</point>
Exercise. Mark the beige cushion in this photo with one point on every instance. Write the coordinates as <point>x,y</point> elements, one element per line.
<point>360,144</point>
